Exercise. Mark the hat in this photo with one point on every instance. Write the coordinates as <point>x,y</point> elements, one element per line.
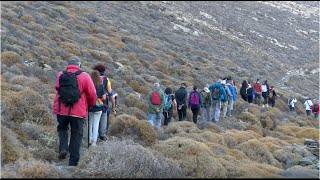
<point>271,87</point>
<point>223,82</point>
<point>206,89</point>
<point>156,85</point>
<point>74,60</point>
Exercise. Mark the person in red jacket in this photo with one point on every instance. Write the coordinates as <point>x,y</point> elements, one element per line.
<point>257,92</point>
<point>315,109</point>
<point>75,115</point>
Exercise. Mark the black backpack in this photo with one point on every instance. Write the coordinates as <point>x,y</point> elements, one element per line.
<point>215,93</point>
<point>69,91</point>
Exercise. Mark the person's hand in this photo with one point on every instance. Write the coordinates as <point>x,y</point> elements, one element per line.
<point>114,112</point>
<point>158,110</point>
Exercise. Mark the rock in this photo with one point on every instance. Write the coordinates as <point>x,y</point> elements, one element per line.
<point>311,143</point>
<point>300,172</point>
<point>307,160</point>
<point>47,67</point>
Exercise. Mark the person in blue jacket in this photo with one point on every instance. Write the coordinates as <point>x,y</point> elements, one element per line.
<point>233,99</point>
<point>219,95</point>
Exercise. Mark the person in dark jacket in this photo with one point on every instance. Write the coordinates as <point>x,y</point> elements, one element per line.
<point>243,90</point>
<point>77,115</point>
<point>250,93</point>
<point>206,104</point>
<point>195,106</point>
<point>181,98</point>
<point>272,96</point>
<point>167,113</point>
<point>265,93</point>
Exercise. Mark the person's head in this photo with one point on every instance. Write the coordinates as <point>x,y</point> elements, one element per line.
<point>195,87</point>
<point>223,82</point>
<point>265,82</point>
<point>95,76</point>
<point>100,67</point>
<point>271,87</point>
<point>229,78</point>
<point>229,81</point>
<point>244,84</point>
<point>168,90</point>
<point>206,89</point>
<point>74,60</point>
<point>207,85</point>
<point>156,86</point>
<point>183,85</point>
<point>257,81</point>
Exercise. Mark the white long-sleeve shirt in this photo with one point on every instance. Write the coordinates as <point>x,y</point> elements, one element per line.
<point>308,104</point>
<point>292,102</point>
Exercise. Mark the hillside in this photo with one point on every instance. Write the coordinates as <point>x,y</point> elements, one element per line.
<point>169,42</point>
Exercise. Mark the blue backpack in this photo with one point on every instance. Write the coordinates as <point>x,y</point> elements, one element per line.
<point>167,101</point>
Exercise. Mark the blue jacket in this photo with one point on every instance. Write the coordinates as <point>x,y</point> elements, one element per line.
<point>233,91</point>
<point>223,94</point>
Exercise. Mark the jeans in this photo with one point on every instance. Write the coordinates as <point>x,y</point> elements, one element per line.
<point>167,116</point>
<point>76,125</point>
<point>205,114</point>
<point>182,112</point>
<point>316,116</point>
<point>158,118</point>
<point>94,126</point>
<point>216,105</point>
<point>195,112</point>
<point>103,124</point>
<point>229,107</point>
<point>308,112</point>
<point>265,97</point>
<point>257,99</point>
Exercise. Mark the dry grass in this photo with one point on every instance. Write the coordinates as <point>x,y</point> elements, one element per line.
<point>255,128</point>
<point>250,118</point>
<point>257,151</point>
<point>27,18</point>
<point>71,48</point>
<point>129,126</point>
<point>239,155</point>
<point>9,58</point>
<point>195,157</point>
<point>133,100</point>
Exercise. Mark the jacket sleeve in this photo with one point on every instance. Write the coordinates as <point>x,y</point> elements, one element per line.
<point>212,86</point>
<point>177,99</point>
<point>189,103</point>
<point>90,91</point>
<point>57,80</point>
<point>224,94</point>
<point>200,99</point>
<point>162,99</point>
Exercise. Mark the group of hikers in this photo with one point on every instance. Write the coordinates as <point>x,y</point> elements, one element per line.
<point>79,92</point>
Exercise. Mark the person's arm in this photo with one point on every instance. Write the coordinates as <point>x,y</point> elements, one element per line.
<point>189,103</point>
<point>200,98</point>
<point>162,100</point>
<point>174,102</point>
<point>90,90</point>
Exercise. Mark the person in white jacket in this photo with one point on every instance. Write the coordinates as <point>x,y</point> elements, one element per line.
<point>291,101</point>
<point>307,105</point>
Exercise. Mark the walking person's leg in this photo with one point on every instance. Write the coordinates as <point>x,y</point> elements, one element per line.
<point>195,116</point>
<point>165,118</point>
<point>90,114</point>
<point>159,119</point>
<point>170,113</point>
<point>203,114</point>
<point>151,117</point>
<point>184,112</point>
<point>229,104</point>
<point>217,111</point>
<point>95,128</point>
<point>214,104</point>
<point>103,125</point>
<point>224,109</point>
<point>62,129</point>
<point>208,113</point>
<point>75,140</point>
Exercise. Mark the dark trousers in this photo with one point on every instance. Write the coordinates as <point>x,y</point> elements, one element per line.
<point>244,97</point>
<point>250,99</point>
<point>308,112</point>
<point>167,116</point>
<point>265,97</point>
<point>195,112</point>
<point>291,108</point>
<point>182,113</point>
<point>108,115</point>
<point>76,125</point>
<point>272,101</point>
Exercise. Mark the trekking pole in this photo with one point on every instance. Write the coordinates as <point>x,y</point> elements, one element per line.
<point>88,129</point>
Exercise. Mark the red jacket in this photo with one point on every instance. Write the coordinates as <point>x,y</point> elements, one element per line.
<point>257,88</point>
<point>315,111</point>
<point>88,97</point>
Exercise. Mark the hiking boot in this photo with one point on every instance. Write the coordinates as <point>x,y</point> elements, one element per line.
<point>103,138</point>
<point>63,154</point>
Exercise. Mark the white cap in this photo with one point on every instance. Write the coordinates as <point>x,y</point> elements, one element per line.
<point>223,82</point>
<point>206,89</point>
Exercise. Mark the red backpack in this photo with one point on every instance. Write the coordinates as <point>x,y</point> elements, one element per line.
<point>155,98</point>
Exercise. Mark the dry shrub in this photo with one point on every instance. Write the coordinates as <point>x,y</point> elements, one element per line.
<point>256,170</point>
<point>11,147</point>
<point>195,157</point>
<point>140,131</point>
<point>268,123</point>
<point>305,133</point>
<point>45,154</point>
<point>161,66</point>
<point>134,111</point>
<point>273,143</point>
<point>32,169</point>
<point>125,159</point>
<point>214,128</point>
<point>239,155</point>
<point>275,113</point>
<point>255,128</point>
<point>234,137</point>
<point>27,18</point>
<point>285,130</point>
<point>71,48</point>
<point>213,137</point>
<point>257,151</point>
<point>250,118</point>
<point>133,100</point>
<point>254,109</point>
<point>9,58</point>
<point>181,127</point>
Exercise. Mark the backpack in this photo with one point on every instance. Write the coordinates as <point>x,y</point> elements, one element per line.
<point>271,94</point>
<point>264,88</point>
<point>289,103</point>
<point>167,101</point>
<point>99,102</point>
<point>69,91</point>
<point>315,107</point>
<point>194,99</point>
<point>206,98</point>
<point>155,98</point>
<point>104,82</point>
<point>215,93</point>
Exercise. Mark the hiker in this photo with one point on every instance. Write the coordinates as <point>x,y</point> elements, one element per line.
<point>250,93</point>
<point>74,114</point>
<point>315,109</point>
<point>233,97</point>
<point>308,104</point>
<point>206,104</point>
<point>155,100</point>
<point>181,98</point>
<point>105,117</point>
<point>218,94</point>
<point>272,96</point>
<point>243,90</point>
<point>257,92</point>
<point>265,93</point>
<point>291,102</point>
<point>226,104</point>
<point>195,103</point>
<point>95,112</point>
<point>169,104</point>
